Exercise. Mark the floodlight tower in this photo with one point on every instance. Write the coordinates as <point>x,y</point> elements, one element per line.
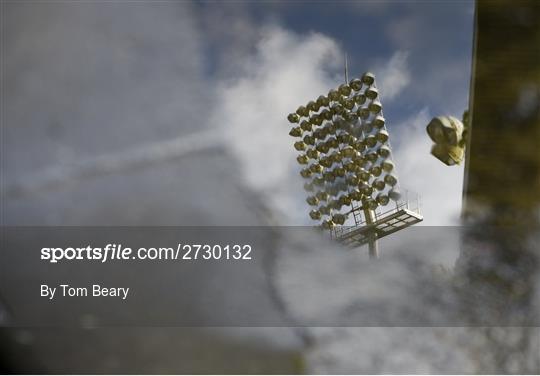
<point>350,174</point>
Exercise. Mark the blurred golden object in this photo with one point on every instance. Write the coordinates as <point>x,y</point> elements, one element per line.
<point>448,154</point>
<point>445,130</point>
<point>448,134</point>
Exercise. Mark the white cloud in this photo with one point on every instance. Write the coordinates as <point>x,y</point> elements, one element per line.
<point>394,76</point>
<point>285,71</point>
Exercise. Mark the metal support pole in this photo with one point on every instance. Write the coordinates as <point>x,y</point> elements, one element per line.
<point>346,69</point>
<point>372,235</point>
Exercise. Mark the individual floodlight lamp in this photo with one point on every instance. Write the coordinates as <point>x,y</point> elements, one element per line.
<point>371,93</point>
<point>355,84</point>
<point>368,78</point>
<point>382,136</point>
<point>384,151</point>
<point>346,159</point>
<point>375,107</point>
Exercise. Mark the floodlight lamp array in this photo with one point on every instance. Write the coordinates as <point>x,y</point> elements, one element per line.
<point>345,152</point>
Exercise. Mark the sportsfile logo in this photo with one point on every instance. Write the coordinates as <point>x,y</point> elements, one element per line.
<point>109,252</point>
<point>182,252</point>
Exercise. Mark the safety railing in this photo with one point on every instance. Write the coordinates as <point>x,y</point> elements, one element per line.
<point>409,201</point>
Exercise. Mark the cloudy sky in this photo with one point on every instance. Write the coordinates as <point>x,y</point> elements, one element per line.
<point>103,78</point>
<point>268,59</point>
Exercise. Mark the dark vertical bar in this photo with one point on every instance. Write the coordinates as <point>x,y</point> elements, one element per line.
<point>502,179</point>
<point>498,263</point>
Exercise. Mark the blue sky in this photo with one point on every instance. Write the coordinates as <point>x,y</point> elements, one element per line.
<point>437,36</point>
